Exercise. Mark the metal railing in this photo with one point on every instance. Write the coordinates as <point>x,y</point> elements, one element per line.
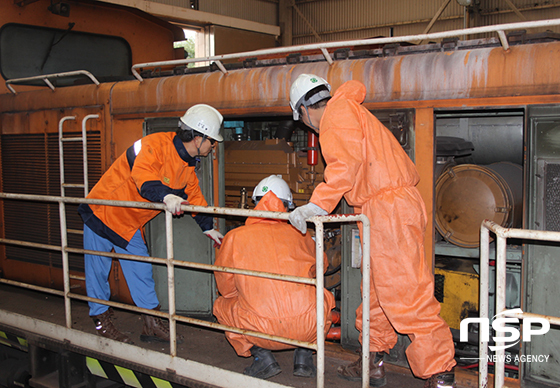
<point>502,234</point>
<point>323,47</point>
<point>121,350</point>
<point>46,78</point>
<point>499,29</point>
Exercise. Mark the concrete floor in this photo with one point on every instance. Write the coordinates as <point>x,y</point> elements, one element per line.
<point>201,344</point>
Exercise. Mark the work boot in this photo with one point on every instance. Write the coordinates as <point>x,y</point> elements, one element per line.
<point>156,330</point>
<point>303,363</point>
<point>441,380</point>
<point>105,328</point>
<point>264,365</point>
<point>353,371</point>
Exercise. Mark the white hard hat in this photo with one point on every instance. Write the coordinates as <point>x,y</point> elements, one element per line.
<point>301,86</point>
<point>277,185</point>
<point>204,119</point>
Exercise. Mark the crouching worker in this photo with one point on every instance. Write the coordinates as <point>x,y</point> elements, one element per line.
<point>157,168</point>
<point>275,307</point>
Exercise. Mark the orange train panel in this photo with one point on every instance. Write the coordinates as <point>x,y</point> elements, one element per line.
<point>138,28</point>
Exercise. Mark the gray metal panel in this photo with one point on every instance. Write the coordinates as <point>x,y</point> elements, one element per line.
<point>194,289</point>
<point>351,296</point>
<point>542,261</point>
<point>488,135</point>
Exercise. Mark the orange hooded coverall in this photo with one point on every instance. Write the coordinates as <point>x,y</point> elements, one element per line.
<point>367,165</point>
<point>274,307</point>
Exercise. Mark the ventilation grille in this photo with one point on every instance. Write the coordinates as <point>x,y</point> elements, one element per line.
<point>552,197</point>
<point>30,165</point>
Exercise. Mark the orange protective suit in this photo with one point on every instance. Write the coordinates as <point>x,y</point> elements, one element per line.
<point>367,165</point>
<point>275,307</point>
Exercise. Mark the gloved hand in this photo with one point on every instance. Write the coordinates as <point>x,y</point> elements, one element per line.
<point>299,216</point>
<point>173,203</point>
<point>216,236</point>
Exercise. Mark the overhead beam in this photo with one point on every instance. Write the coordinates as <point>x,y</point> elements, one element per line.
<point>301,15</point>
<point>516,10</point>
<point>436,16</point>
<point>190,16</point>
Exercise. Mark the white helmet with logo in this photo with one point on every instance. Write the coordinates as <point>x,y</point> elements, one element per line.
<point>204,119</point>
<point>301,86</point>
<point>277,185</point>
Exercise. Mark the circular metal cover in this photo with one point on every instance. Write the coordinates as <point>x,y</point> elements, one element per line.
<point>466,195</point>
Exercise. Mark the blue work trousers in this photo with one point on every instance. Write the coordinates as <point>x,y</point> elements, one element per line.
<point>138,274</point>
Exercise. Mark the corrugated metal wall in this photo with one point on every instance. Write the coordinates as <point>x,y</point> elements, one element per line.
<point>341,20</point>
<point>358,19</point>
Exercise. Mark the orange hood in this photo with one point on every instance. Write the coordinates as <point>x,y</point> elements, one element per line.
<point>351,90</point>
<point>269,202</point>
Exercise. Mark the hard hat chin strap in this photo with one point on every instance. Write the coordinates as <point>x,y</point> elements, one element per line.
<point>309,119</point>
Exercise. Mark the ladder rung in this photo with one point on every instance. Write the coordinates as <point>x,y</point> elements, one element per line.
<point>75,277</point>
<point>72,138</point>
<point>73,185</point>
<point>75,231</point>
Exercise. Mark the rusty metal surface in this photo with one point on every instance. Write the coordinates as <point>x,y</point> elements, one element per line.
<point>459,74</point>
<point>475,73</point>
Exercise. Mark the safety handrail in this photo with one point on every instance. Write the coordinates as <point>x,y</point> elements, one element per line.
<point>45,78</point>
<point>319,346</point>
<point>498,28</point>
<point>502,234</point>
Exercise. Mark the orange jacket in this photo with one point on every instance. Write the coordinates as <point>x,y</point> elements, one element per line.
<point>276,307</point>
<point>153,167</point>
<point>363,158</point>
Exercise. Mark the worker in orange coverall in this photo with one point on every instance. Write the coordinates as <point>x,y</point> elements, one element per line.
<point>275,307</point>
<point>367,165</point>
<point>157,168</point>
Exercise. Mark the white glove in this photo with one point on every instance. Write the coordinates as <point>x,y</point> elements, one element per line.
<point>216,236</point>
<point>173,203</point>
<point>299,216</point>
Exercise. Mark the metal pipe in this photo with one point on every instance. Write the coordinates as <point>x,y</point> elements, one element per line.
<point>351,43</point>
<point>187,264</point>
<point>61,150</point>
<point>195,321</point>
<point>171,283</point>
<point>499,367</point>
<point>65,266</point>
<point>483,308</point>
<point>30,244</point>
<point>319,288</point>
<point>503,40</point>
<point>84,150</point>
<point>45,78</point>
<point>552,320</point>
<point>327,56</point>
<point>501,235</point>
<point>366,274</point>
<point>32,287</point>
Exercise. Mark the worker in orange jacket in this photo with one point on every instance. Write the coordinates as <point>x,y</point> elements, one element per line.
<point>366,165</point>
<point>275,307</point>
<point>157,168</point>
